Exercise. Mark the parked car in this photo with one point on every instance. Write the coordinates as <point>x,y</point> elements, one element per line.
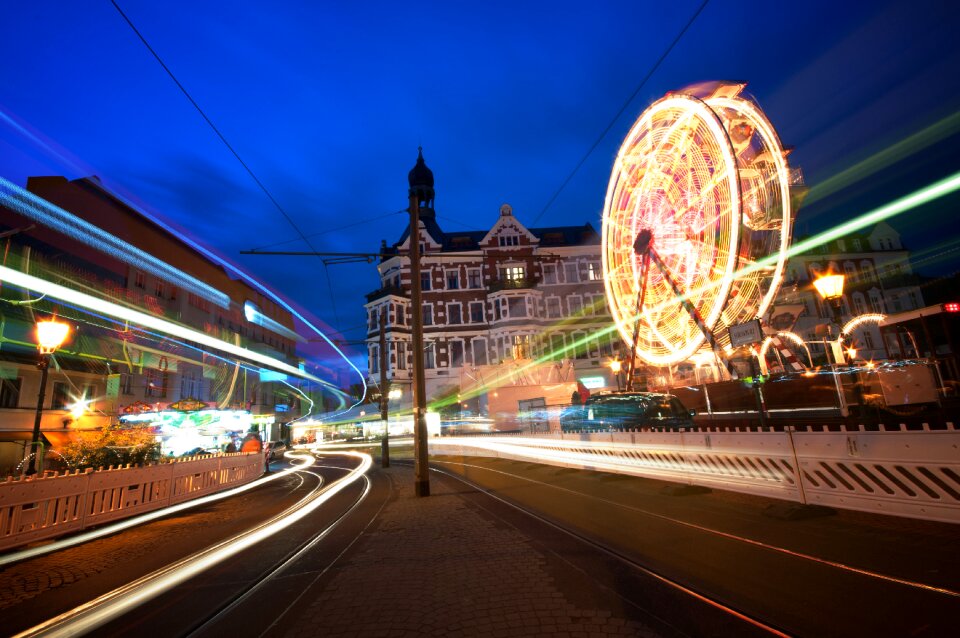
<point>277,448</point>
<point>627,411</point>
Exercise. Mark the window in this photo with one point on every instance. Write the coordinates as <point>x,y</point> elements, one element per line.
<point>868,339</point>
<point>61,396</point>
<point>859,303</point>
<point>453,279</point>
<point>139,280</point>
<point>126,383</point>
<point>556,347</point>
<point>517,307</point>
<point>521,346</point>
<point>454,314</point>
<point>401,350</point>
<point>429,357</point>
<point>550,274</point>
<point>841,246</point>
<point>158,289</point>
<point>876,302</point>
<point>851,272</point>
<point>456,354</point>
<point>593,271</point>
<point>869,274</point>
<point>374,359</point>
<point>508,240</point>
<point>476,312</point>
<point>479,352</point>
<point>425,281</point>
<point>197,302</point>
<point>856,245</point>
<point>427,315</point>
<point>156,383</point>
<point>574,305</point>
<point>473,278</point>
<point>553,307</point>
<point>571,273</point>
<point>10,392</point>
<point>513,273</point>
<point>400,314</point>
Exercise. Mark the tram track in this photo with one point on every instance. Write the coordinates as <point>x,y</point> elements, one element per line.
<point>119,610</point>
<point>705,581</point>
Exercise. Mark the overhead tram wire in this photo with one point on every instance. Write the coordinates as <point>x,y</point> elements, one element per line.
<point>331,230</point>
<point>221,136</point>
<point>623,108</point>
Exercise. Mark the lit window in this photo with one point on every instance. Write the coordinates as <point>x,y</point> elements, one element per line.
<point>514,273</point>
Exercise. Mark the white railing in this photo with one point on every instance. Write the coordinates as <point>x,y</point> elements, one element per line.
<point>43,507</point>
<point>915,474</point>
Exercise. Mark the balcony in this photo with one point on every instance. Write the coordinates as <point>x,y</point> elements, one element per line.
<point>512,284</point>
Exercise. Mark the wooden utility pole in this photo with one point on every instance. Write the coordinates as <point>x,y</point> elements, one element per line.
<point>384,390</point>
<point>421,468</point>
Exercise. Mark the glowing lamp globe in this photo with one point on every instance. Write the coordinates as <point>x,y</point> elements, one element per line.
<point>830,286</point>
<point>615,366</point>
<point>51,335</point>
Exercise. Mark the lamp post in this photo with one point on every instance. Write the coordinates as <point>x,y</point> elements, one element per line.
<point>830,288</point>
<point>615,369</point>
<point>50,335</point>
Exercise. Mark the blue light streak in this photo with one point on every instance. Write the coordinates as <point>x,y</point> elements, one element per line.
<point>43,212</point>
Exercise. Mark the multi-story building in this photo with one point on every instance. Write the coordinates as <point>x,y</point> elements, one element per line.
<point>492,299</point>
<point>878,280</point>
<point>114,369</point>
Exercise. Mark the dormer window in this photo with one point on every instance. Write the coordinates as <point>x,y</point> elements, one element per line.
<point>508,240</point>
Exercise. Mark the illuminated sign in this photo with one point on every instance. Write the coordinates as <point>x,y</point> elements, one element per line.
<point>592,383</point>
<point>281,407</point>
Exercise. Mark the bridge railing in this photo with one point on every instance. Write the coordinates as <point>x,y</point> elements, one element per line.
<point>915,474</point>
<point>42,507</point>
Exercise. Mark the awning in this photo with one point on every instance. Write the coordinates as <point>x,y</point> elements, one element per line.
<point>58,440</point>
<point>9,437</point>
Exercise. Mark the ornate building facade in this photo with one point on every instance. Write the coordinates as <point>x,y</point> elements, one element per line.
<point>508,296</point>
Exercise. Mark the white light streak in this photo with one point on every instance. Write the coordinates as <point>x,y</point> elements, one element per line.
<point>120,601</point>
<point>123,313</point>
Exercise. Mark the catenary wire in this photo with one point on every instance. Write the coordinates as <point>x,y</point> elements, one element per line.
<point>623,108</point>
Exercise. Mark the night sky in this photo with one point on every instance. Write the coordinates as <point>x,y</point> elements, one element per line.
<point>327,103</point>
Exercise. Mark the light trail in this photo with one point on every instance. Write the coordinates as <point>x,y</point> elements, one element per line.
<point>734,537</point>
<point>906,147</point>
<point>66,223</point>
<point>123,313</point>
<point>113,528</point>
<point>105,608</point>
<point>919,197</point>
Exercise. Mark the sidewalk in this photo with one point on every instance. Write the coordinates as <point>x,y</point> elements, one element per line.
<point>442,566</point>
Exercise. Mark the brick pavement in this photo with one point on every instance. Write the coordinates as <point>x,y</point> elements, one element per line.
<point>441,566</point>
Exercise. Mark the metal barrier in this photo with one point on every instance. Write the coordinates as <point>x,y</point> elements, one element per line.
<point>42,507</point>
<point>914,474</point>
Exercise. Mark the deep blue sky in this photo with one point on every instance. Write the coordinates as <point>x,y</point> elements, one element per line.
<point>328,101</point>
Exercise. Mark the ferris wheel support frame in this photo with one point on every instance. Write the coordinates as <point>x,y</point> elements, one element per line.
<point>643,246</point>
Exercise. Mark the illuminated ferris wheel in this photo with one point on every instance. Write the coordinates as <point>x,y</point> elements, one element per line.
<point>696,222</point>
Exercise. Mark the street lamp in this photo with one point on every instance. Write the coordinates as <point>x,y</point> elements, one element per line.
<point>615,369</point>
<point>50,335</point>
<point>830,289</point>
